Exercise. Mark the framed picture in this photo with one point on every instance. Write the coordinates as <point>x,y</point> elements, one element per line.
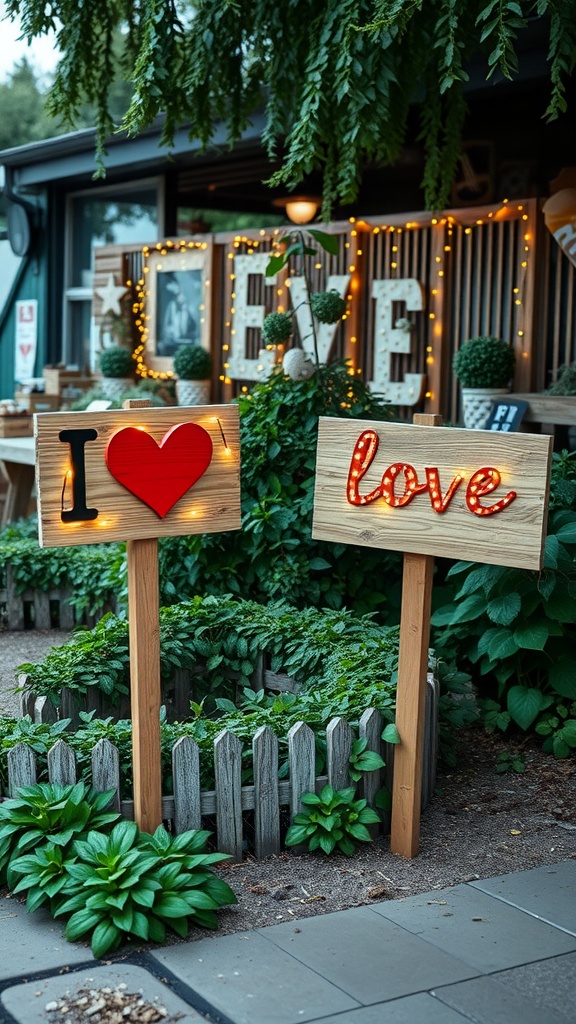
<point>177,304</point>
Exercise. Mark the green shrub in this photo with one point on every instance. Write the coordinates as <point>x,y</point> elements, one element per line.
<point>116,362</point>
<point>226,637</point>
<point>192,362</point>
<point>63,848</point>
<point>95,574</point>
<point>484,362</point>
<point>516,633</point>
<point>132,884</point>
<point>336,820</point>
<point>47,819</point>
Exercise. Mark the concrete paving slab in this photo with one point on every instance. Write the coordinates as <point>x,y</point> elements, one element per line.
<point>421,1009</point>
<point>34,942</point>
<point>367,956</point>
<point>480,930</point>
<point>252,981</point>
<point>547,892</point>
<point>27,1003</point>
<point>489,1000</point>
<point>549,983</point>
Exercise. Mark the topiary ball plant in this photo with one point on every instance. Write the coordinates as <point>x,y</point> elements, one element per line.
<point>192,362</point>
<point>277,328</point>
<point>116,362</point>
<point>328,307</point>
<point>484,362</point>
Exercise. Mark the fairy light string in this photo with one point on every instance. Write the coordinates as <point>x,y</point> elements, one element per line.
<point>356,240</point>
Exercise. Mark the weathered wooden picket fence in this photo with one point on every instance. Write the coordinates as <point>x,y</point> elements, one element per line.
<point>39,609</point>
<point>229,801</point>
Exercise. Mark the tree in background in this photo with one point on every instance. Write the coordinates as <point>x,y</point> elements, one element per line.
<point>22,102</point>
<point>337,79</point>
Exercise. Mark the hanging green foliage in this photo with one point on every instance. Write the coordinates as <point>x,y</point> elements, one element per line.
<point>336,80</point>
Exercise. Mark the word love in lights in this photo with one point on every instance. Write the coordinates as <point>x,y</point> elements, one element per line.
<point>381,485</point>
<point>137,473</point>
<point>482,482</point>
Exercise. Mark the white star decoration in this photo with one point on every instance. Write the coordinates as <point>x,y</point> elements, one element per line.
<point>111,295</point>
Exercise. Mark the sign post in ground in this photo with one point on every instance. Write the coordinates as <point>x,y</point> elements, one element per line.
<point>464,494</point>
<point>137,475</point>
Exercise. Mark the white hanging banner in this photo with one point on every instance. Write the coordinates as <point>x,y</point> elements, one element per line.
<point>26,338</point>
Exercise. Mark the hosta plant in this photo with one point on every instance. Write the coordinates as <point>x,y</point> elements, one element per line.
<point>45,814</point>
<point>362,760</point>
<point>336,820</point>
<point>131,884</point>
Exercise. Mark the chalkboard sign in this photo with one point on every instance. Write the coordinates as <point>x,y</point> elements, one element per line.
<point>506,415</point>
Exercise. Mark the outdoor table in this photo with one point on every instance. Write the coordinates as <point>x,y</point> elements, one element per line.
<point>17,463</point>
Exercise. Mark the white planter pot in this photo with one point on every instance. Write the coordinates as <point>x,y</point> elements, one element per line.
<point>476,405</point>
<point>114,387</point>
<point>193,392</point>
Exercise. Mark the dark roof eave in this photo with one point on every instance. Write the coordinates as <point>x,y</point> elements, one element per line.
<point>73,155</point>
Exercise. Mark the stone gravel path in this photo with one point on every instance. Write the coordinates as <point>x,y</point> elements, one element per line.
<point>16,648</point>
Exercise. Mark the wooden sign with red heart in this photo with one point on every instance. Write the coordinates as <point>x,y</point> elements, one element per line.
<point>131,474</point>
<point>159,474</point>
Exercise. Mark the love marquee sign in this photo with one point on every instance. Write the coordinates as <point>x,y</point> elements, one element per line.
<point>137,473</point>
<point>461,494</point>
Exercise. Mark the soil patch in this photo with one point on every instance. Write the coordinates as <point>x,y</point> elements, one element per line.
<point>480,824</point>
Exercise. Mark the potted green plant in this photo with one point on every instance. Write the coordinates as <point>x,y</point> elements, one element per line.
<point>117,369</point>
<point>193,369</point>
<point>484,368</point>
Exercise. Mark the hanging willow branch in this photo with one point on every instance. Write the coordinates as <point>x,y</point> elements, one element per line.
<point>336,79</point>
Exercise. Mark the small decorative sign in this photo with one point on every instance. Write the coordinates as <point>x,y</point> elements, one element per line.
<point>506,415</point>
<point>455,493</point>
<point>136,473</point>
<point>26,339</point>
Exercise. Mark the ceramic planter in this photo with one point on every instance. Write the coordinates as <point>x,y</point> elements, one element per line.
<point>114,387</point>
<point>193,392</point>
<point>476,405</point>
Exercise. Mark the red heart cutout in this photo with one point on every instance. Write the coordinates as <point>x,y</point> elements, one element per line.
<point>159,474</point>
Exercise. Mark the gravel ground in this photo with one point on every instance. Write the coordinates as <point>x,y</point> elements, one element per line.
<point>17,648</point>
<point>480,824</point>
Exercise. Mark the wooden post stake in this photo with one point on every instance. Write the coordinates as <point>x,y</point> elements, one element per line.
<point>144,631</point>
<point>411,692</point>
<point>145,692</point>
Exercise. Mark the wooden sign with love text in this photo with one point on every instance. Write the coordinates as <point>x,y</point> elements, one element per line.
<point>460,494</point>
<point>137,473</point>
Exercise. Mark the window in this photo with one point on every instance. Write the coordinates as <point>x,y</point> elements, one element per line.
<point>108,216</point>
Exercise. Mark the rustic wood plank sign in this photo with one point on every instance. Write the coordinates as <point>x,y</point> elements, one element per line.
<point>463,494</point>
<point>468,494</point>
<point>136,475</point>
